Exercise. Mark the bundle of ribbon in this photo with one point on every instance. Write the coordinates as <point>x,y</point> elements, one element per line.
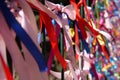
<point>18,20</point>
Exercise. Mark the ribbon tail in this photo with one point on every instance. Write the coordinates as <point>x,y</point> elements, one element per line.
<point>53,39</point>
<point>13,49</point>
<point>6,69</point>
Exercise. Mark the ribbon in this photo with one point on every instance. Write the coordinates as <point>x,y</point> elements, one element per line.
<point>28,57</point>
<point>26,24</point>
<point>23,36</point>
<point>2,74</point>
<point>81,22</point>
<point>105,68</point>
<point>84,43</point>
<point>3,49</point>
<point>69,9</point>
<point>6,69</point>
<point>37,5</point>
<point>108,24</point>
<point>61,11</point>
<point>50,60</point>
<point>51,57</point>
<point>13,49</point>
<point>71,74</point>
<point>76,41</point>
<point>5,72</point>
<point>49,27</point>
<point>101,41</point>
<point>94,73</point>
<point>105,34</point>
<point>52,37</point>
<point>103,47</point>
<point>29,14</point>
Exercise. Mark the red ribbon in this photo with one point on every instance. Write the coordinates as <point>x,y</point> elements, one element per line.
<point>51,34</point>
<point>103,47</point>
<point>94,70</point>
<point>6,69</point>
<point>81,22</point>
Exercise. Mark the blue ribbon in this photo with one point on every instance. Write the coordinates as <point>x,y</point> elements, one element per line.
<point>84,43</point>
<point>23,36</point>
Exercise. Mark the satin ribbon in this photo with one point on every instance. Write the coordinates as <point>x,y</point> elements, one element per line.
<point>26,25</point>
<point>81,22</point>
<point>49,27</point>
<point>63,12</point>
<point>3,49</point>
<point>51,57</point>
<point>6,69</point>
<point>13,49</point>
<point>84,43</point>
<point>5,72</point>
<point>40,7</point>
<point>105,34</point>
<point>2,74</point>
<point>3,54</point>
<point>94,73</point>
<point>23,36</point>
<point>29,28</point>
<point>101,41</point>
<point>28,57</point>
<point>69,9</point>
<point>79,19</point>
<point>70,74</point>
<point>66,30</point>
<point>90,61</point>
<point>103,47</point>
<point>76,41</point>
<point>29,14</point>
<point>68,42</point>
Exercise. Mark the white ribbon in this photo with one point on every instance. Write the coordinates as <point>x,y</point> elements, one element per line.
<point>28,27</point>
<point>29,14</point>
<point>108,24</point>
<point>3,54</point>
<point>105,34</point>
<point>12,47</point>
<point>29,66</point>
<point>69,9</point>
<point>65,26</point>
<point>46,10</point>
<point>28,58</point>
<point>69,74</point>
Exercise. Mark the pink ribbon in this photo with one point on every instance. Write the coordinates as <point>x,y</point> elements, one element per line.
<point>29,61</point>
<point>69,9</point>
<point>28,58</point>
<point>65,26</point>
<point>70,74</point>
<point>3,54</point>
<point>14,50</point>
